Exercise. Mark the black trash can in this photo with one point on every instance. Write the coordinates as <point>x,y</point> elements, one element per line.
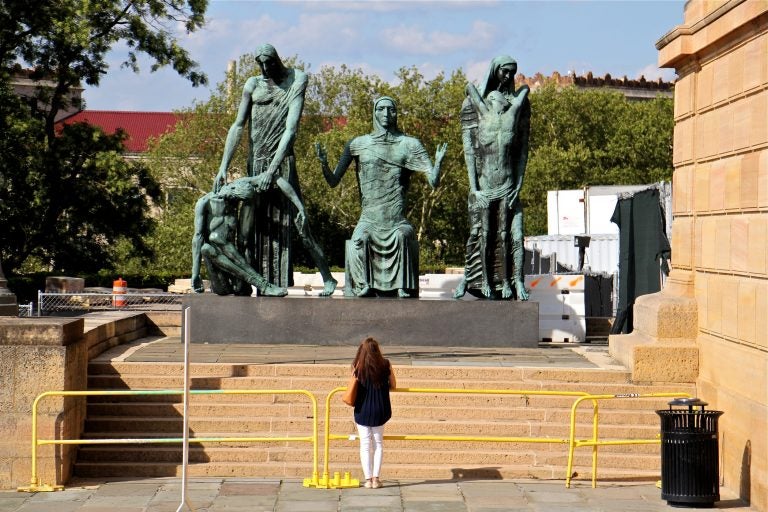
<point>690,462</point>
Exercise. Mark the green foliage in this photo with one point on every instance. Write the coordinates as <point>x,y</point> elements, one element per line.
<point>65,206</point>
<point>585,138</point>
<point>70,201</point>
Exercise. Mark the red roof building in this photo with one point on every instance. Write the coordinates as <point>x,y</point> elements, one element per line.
<point>140,126</point>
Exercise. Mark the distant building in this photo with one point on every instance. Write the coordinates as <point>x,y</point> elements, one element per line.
<point>139,126</point>
<point>636,89</point>
<point>27,84</point>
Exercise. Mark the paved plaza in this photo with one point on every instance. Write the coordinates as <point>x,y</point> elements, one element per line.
<point>548,355</point>
<point>268,495</point>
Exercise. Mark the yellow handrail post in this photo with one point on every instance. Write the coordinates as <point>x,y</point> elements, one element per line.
<point>313,481</point>
<point>326,482</point>
<point>595,422</point>
<point>34,481</point>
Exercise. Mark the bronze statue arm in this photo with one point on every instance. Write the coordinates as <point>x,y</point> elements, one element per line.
<point>469,159</point>
<point>333,178</point>
<point>521,154</point>
<point>476,99</point>
<point>197,243</point>
<point>433,176</point>
<point>234,134</point>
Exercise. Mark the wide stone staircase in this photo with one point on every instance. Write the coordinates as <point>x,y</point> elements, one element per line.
<point>279,415</point>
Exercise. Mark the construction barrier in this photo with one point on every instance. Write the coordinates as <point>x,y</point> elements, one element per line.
<point>37,486</point>
<point>594,442</point>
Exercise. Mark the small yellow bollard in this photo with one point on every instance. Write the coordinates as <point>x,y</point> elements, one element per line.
<point>36,486</point>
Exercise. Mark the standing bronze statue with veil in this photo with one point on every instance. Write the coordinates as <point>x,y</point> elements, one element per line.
<point>495,124</point>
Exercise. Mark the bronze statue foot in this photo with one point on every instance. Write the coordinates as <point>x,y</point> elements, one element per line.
<point>461,289</point>
<point>402,293</point>
<point>270,290</point>
<point>487,291</point>
<point>506,290</point>
<point>329,287</point>
<point>365,291</point>
<point>522,293</point>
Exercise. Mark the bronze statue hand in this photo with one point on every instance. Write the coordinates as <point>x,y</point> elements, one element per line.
<point>219,180</point>
<point>511,198</point>
<point>301,221</point>
<point>263,181</point>
<point>321,153</point>
<point>440,153</point>
<point>480,200</point>
<point>197,284</point>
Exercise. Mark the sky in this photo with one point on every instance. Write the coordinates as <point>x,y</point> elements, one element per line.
<point>380,37</point>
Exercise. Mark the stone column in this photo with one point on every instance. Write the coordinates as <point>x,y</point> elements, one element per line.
<point>39,355</point>
<point>8,304</point>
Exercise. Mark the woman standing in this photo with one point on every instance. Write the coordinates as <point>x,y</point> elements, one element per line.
<point>375,378</point>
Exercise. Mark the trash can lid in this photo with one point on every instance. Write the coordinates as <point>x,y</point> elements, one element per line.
<point>689,402</point>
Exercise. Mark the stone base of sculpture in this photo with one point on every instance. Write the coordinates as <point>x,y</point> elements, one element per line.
<point>347,321</point>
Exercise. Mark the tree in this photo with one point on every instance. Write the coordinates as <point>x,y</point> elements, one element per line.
<point>65,207</point>
<point>67,41</point>
<point>69,200</point>
<point>594,137</point>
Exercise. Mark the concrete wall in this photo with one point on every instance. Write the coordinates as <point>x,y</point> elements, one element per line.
<point>720,231</point>
<point>52,354</point>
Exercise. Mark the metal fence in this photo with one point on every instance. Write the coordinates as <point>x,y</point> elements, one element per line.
<point>51,303</point>
<point>26,310</point>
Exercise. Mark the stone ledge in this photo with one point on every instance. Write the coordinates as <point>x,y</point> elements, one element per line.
<point>653,360</point>
<point>40,331</point>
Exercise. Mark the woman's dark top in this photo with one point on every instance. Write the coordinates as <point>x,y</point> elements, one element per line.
<point>372,406</point>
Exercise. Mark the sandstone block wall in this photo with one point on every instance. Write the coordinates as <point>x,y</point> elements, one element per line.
<point>720,228</point>
<point>49,354</point>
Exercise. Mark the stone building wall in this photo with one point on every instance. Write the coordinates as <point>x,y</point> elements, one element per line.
<point>720,228</point>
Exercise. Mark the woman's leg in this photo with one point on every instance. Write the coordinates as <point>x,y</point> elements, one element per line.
<point>365,450</point>
<point>378,450</point>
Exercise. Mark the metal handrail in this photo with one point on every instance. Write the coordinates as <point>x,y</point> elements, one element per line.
<point>326,482</point>
<point>594,442</point>
<point>37,486</point>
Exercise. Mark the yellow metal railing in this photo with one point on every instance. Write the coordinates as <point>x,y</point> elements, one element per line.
<point>326,482</point>
<point>337,481</point>
<point>594,442</point>
<point>36,486</point>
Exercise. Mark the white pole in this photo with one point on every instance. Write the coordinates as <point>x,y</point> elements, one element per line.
<point>185,434</point>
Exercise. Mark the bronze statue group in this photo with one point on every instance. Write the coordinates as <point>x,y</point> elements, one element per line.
<point>243,227</point>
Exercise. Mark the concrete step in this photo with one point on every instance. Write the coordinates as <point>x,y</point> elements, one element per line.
<point>349,457</point>
<point>341,372</point>
<point>254,415</point>
<point>454,401</point>
<point>425,411</point>
<point>321,385</point>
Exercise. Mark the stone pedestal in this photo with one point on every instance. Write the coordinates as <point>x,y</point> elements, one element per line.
<point>662,347</point>
<point>347,321</point>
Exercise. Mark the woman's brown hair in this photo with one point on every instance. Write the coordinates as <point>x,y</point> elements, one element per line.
<point>369,365</point>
